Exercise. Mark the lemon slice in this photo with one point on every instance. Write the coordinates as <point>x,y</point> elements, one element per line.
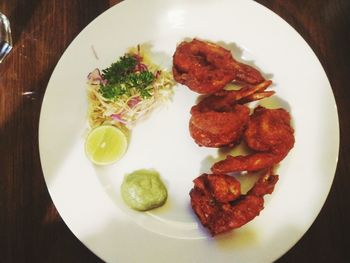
<point>105,144</point>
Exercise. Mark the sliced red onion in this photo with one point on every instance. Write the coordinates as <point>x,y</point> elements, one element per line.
<point>140,67</point>
<point>104,81</point>
<point>118,117</point>
<point>95,78</point>
<point>134,101</point>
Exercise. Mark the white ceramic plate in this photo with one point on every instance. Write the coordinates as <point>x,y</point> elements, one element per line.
<point>87,197</point>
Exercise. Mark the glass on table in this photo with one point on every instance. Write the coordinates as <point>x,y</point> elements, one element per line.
<point>5,37</point>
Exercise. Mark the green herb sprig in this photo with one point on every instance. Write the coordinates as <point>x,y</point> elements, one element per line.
<point>122,79</point>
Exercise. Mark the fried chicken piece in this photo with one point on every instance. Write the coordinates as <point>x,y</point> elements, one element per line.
<point>220,212</point>
<point>220,120</point>
<point>206,67</point>
<point>269,135</point>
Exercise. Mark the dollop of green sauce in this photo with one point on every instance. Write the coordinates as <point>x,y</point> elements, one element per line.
<point>143,190</point>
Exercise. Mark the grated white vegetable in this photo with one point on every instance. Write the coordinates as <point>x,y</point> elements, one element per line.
<point>127,110</point>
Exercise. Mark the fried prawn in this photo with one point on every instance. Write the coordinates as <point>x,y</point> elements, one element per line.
<point>269,135</point>
<point>220,119</point>
<point>220,208</point>
<point>206,67</point>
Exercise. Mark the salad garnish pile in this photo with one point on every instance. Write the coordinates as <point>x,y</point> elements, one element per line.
<point>127,90</point>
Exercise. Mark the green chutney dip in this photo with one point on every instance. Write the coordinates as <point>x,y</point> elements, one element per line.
<point>143,190</point>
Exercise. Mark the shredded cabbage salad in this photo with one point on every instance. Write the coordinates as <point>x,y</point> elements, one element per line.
<point>127,90</point>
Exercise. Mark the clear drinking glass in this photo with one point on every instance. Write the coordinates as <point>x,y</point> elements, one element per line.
<point>5,37</point>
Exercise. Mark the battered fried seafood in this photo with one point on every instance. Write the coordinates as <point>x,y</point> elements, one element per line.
<point>220,207</point>
<point>220,119</point>
<point>206,67</point>
<point>269,135</point>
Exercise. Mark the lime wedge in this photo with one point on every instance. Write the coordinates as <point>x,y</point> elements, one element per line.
<point>105,144</point>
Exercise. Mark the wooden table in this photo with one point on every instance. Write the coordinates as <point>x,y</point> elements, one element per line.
<point>31,229</point>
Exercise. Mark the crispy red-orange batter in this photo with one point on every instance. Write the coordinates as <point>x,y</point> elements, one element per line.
<point>220,120</point>
<point>219,207</point>
<point>270,136</point>
<point>206,67</point>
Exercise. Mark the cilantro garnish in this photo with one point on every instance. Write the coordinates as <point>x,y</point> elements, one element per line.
<point>123,79</point>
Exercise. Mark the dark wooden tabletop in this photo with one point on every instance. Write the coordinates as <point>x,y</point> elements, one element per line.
<point>31,229</point>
